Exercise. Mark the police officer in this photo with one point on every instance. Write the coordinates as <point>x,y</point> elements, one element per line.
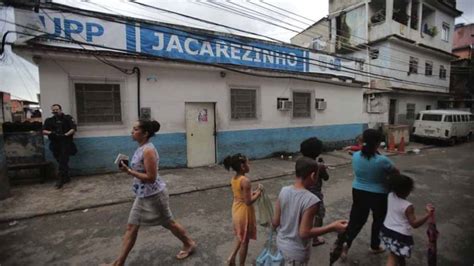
<point>60,130</point>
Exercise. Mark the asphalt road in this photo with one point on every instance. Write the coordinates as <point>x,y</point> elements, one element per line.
<point>444,176</point>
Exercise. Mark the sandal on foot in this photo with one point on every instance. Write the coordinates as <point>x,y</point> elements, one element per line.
<point>378,250</point>
<point>344,252</point>
<point>318,242</point>
<point>185,253</point>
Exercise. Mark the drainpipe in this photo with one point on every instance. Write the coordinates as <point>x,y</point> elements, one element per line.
<point>136,70</point>
<point>4,41</point>
<point>367,36</point>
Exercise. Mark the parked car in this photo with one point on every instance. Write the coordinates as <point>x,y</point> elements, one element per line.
<point>447,125</point>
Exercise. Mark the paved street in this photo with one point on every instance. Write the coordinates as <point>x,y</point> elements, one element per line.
<point>444,176</point>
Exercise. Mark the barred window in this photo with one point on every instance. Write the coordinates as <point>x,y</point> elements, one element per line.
<point>442,72</point>
<point>428,68</point>
<point>413,67</point>
<point>410,111</point>
<point>445,32</point>
<point>243,103</point>
<point>98,103</point>
<point>301,104</point>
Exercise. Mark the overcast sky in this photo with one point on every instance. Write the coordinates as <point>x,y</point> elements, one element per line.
<point>307,12</point>
<point>21,78</point>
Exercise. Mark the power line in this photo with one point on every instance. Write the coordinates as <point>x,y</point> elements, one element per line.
<point>141,15</point>
<point>123,70</point>
<point>263,14</point>
<point>380,57</point>
<point>247,15</point>
<point>281,14</point>
<point>356,71</point>
<point>202,20</point>
<point>23,81</point>
<point>351,72</point>
<point>312,79</point>
<point>286,11</point>
<point>373,74</point>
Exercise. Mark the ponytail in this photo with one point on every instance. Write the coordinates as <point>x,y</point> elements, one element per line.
<point>235,162</point>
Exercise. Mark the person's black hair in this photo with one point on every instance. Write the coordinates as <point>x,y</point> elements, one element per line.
<point>305,166</point>
<point>401,185</point>
<point>371,139</point>
<point>149,126</point>
<point>58,105</point>
<point>235,162</point>
<point>311,147</point>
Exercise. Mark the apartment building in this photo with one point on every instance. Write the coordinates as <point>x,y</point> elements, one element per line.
<point>462,75</point>
<point>406,48</point>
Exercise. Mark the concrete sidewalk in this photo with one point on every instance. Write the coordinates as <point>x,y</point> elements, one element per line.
<point>87,192</point>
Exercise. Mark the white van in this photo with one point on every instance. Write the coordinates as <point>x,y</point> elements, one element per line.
<point>448,125</point>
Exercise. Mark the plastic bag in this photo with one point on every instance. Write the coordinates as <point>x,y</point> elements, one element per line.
<point>264,210</point>
<point>266,257</point>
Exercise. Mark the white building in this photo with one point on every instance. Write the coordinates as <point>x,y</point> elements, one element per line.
<point>406,46</point>
<point>213,96</point>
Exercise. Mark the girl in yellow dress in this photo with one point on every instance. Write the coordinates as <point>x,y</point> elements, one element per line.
<point>243,212</point>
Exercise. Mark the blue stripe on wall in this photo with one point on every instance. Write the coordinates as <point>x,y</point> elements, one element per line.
<point>97,154</point>
<point>262,143</point>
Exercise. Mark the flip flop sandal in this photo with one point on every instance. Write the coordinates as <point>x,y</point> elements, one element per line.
<point>318,243</point>
<point>185,253</point>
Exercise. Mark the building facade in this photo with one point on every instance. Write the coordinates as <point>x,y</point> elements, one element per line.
<point>257,98</point>
<point>406,47</point>
<point>462,75</point>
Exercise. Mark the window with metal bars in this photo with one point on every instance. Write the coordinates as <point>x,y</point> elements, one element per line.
<point>442,72</point>
<point>243,103</point>
<point>98,103</point>
<point>413,68</point>
<point>428,68</point>
<point>410,111</point>
<point>301,104</point>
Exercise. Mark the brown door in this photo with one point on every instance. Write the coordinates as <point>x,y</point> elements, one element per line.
<point>391,111</point>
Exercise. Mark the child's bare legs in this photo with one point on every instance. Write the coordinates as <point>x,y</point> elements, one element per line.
<point>244,247</point>
<point>401,261</point>
<point>394,260</point>
<point>231,259</point>
<point>318,222</point>
<point>127,244</point>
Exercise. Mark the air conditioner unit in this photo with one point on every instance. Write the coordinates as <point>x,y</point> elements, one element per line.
<point>285,105</point>
<point>321,105</point>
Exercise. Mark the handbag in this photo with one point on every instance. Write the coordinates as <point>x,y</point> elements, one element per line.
<point>267,257</point>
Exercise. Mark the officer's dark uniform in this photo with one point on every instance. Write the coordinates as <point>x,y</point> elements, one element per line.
<point>62,146</point>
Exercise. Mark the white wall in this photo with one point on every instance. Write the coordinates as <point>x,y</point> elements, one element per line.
<point>306,37</point>
<point>176,85</point>
<point>420,101</point>
<point>390,27</point>
<point>396,55</point>
<point>420,104</point>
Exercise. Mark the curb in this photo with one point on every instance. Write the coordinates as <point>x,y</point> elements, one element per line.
<point>122,201</point>
<point>195,189</point>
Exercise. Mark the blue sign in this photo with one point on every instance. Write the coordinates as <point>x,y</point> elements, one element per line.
<point>177,44</point>
<point>169,42</point>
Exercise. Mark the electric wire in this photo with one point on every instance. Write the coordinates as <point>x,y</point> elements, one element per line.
<point>403,71</point>
<point>429,85</point>
<point>355,71</point>
<point>392,59</point>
